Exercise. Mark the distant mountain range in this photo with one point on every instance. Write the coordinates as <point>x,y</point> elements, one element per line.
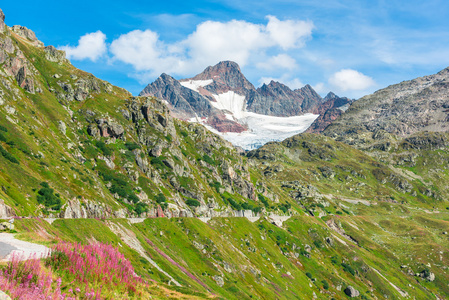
<point>221,97</point>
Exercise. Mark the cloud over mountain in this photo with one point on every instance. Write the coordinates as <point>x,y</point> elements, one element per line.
<point>349,80</point>
<point>210,42</point>
<point>90,46</point>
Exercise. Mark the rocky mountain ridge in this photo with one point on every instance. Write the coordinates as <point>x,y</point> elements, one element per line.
<point>402,109</point>
<point>208,88</point>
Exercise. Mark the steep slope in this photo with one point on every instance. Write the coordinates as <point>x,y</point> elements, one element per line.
<point>186,104</point>
<point>401,109</point>
<point>75,146</point>
<point>278,99</point>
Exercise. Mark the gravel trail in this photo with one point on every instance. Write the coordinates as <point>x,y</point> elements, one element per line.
<point>10,245</point>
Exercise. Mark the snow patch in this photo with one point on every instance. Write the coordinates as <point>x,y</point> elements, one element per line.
<point>231,102</point>
<point>261,128</point>
<point>196,84</point>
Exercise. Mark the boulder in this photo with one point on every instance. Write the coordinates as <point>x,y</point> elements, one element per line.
<point>5,210</point>
<point>219,280</point>
<point>427,275</point>
<point>54,55</point>
<point>62,127</point>
<point>351,292</point>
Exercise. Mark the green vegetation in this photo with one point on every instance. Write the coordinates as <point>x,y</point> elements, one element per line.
<point>8,155</point>
<point>105,149</point>
<point>193,202</point>
<point>387,196</point>
<point>47,197</point>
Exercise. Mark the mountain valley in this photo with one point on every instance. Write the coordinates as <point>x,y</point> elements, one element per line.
<point>356,207</point>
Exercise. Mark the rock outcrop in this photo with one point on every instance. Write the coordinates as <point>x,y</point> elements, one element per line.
<point>352,292</point>
<point>27,34</point>
<point>2,21</point>
<point>330,110</point>
<point>5,210</point>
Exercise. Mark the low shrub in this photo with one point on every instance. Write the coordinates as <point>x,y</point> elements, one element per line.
<point>47,197</point>
<point>193,202</point>
<point>348,268</point>
<point>8,155</point>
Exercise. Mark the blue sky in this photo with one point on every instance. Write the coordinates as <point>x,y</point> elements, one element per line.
<point>350,47</point>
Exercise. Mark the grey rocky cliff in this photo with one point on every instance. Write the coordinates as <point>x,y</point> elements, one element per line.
<point>277,99</point>
<point>329,110</point>
<point>417,105</point>
<point>76,209</point>
<point>186,104</point>
<point>2,21</point>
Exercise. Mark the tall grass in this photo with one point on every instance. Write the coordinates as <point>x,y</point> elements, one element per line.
<point>86,272</point>
<point>27,279</point>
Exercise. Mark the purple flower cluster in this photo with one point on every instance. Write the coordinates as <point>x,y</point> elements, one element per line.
<point>92,267</point>
<point>27,279</point>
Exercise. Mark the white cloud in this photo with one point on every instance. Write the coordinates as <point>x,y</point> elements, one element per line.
<point>139,48</point>
<point>350,80</point>
<point>281,61</point>
<point>90,46</point>
<point>147,54</point>
<point>211,42</point>
<point>234,40</point>
<point>290,33</point>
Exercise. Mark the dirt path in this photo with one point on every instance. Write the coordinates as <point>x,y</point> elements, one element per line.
<point>9,245</point>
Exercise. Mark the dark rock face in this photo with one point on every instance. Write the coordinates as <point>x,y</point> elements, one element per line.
<point>185,103</point>
<point>330,110</point>
<point>227,77</point>
<point>277,99</point>
<point>402,109</point>
<point>311,100</point>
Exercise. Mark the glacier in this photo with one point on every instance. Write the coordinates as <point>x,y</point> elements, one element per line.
<point>261,128</point>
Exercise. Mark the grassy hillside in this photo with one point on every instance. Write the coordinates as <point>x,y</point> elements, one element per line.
<point>370,213</point>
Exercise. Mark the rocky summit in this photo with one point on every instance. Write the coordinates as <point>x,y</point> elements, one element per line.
<point>223,100</point>
<point>225,88</point>
<point>137,203</point>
